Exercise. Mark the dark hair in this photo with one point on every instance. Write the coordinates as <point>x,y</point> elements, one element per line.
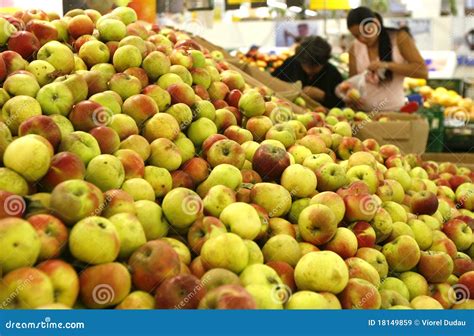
<point>313,50</point>
<point>363,16</point>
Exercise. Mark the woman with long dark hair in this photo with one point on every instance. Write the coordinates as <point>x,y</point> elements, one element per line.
<point>386,53</point>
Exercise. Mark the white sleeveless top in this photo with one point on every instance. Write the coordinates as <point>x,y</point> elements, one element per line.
<point>385,96</point>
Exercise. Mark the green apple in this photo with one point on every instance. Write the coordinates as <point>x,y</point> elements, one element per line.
<point>82,144</point>
<point>21,84</point>
<point>275,199</point>
<point>267,297</point>
<point>375,258</point>
<point>224,174</point>
<point>29,156</point>
<point>333,201</point>
<point>182,207</point>
<point>200,130</point>
<point>282,247</point>
<point>400,175</point>
<point>217,199</point>
<point>139,189</point>
<point>127,56</point>
<point>42,70</point>
<point>160,179</point>
<point>317,224</point>
<point>299,180</point>
<point>58,55</point>
<point>165,154</point>
<point>185,147</point>
<point>400,229</point>
<point>396,211</point>
<point>343,128</point>
<point>111,29</point>
<point>20,242</point>
<point>5,139</point>
<point>259,274</point>
<point>130,233</point>
<point>361,269</point>
<point>366,174</point>
<point>241,219</point>
<point>18,109</point>
<point>65,126</point>
<point>315,161</point>
<point>55,98</point>
<point>109,99</point>
<point>252,104</point>
<point>416,284</point>
<point>94,240</point>
<point>402,254</point>
<point>397,285</point>
<point>308,275</point>
<point>306,300</point>
<point>64,280</point>
<point>106,172</point>
<point>226,250</point>
<point>180,248</point>
<point>255,254</point>
<point>137,300</point>
<point>6,30</point>
<point>156,64</point>
<point>152,219</point>
<point>423,233</point>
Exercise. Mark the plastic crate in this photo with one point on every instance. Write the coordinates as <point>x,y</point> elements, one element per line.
<point>435,117</point>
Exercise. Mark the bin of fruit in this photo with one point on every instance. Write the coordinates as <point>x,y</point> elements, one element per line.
<point>139,171</point>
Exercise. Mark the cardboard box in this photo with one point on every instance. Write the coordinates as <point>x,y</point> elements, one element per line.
<point>460,159</point>
<point>407,131</point>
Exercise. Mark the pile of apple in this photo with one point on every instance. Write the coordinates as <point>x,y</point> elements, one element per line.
<point>264,61</point>
<point>137,171</point>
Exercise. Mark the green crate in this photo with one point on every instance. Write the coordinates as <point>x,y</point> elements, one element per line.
<point>435,117</point>
<point>454,84</point>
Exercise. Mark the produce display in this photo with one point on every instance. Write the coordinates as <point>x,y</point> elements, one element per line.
<point>264,61</point>
<point>455,106</point>
<point>138,172</point>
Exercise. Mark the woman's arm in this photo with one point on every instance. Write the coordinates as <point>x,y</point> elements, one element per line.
<point>352,62</point>
<point>415,65</point>
<point>314,93</point>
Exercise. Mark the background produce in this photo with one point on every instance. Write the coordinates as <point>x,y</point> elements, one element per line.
<point>138,172</point>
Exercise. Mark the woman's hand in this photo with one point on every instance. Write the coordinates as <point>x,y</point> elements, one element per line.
<point>314,93</point>
<point>376,65</point>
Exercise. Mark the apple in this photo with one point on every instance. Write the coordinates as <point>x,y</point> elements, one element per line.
<point>17,110</point>
<point>165,154</point>
<point>400,175</point>
<point>64,166</point>
<point>374,258</point>
<point>182,207</point>
<point>224,118</point>
<point>422,233</point>
<point>364,173</point>
<point>36,289</point>
<point>161,125</point>
<point>283,133</point>
<point>275,199</point>
<point>360,207</point>
<point>252,104</point>
<point>137,300</point>
<point>226,151</point>
<point>348,146</point>
<point>18,84</point>
<point>402,253</point>
<point>94,52</point>
<point>41,125</point>
<point>218,277</point>
<point>43,30</point>
<point>425,302</point>
<point>224,174</point>
<point>400,229</point>
<point>361,269</point>
<point>64,279</point>
<point>360,294</point>
<point>29,156</point>
<point>228,297</point>
<point>270,162</point>
<point>292,179</point>
<point>126,56</point>
<point>21,241</point>
<point>130,233</point>
<point>58,55</point>
<point>226,250</point>
<point>436,267</point>
<point>424,203</point>
<point>139,189</point>
<point>344,243</point>
<point>331,177</point>
<point>117,202</point>
<point>125,85</point>
<point>180,292</point>
<point>103,242</point>
<point>138,144</point>
<point>52,234</point>
<point>308,277</point>
<point>24,42</point>
<point>459,232</point>
<point>467,281</point>
<point>13,62</point>
<point>283,248</point>
<point>365,234</point>
<point>106,172</point>
<point>391,298</point>
<point>111,29</point>
<point>104,285</point>
<point>462,264</point>
<point>55,98</point>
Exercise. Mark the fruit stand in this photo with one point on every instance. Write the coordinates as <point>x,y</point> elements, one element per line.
<point>142,152</point>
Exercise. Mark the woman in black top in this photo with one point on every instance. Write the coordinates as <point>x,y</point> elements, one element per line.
<point>310,66</point>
